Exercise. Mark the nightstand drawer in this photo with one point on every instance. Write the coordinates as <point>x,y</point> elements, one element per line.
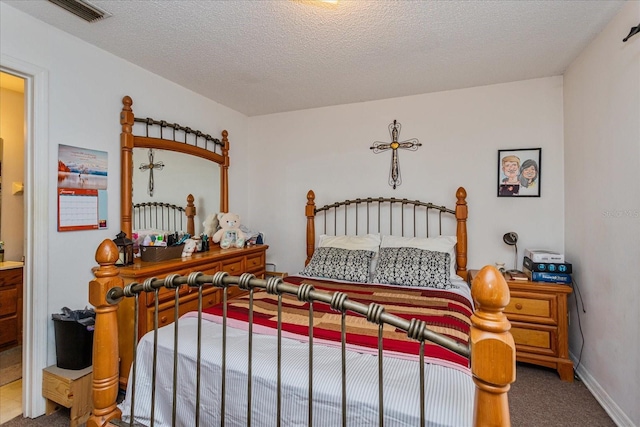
<point>537,339</point>
<point>540,308</point>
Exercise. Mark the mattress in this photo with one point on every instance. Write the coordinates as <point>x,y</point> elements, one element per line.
<point>449,392</point>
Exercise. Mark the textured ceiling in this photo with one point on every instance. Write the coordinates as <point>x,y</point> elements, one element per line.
<point>261,57</point>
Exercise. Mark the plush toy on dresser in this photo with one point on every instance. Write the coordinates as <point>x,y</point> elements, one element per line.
<point>189,247</point>
<point>229,233</point>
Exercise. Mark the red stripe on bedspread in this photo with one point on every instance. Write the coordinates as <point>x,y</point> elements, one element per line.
<point>443,311</point>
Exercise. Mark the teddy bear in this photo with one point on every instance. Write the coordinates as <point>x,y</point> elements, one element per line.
<point>189,247</point>
<point>229,233</point>
<point>210,224</point>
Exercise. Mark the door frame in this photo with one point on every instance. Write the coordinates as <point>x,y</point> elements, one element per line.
<point>35,340</point>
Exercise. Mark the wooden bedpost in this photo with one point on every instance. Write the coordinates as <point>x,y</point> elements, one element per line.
<point>493,351</point>
<point>224,174</point>
<point>126,164</point>
<point>105,337</point>
<point>190,212</point>
<point>461,232</point>
<point>310,212</point>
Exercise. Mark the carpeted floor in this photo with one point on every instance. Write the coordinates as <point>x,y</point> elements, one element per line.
<point>537,398</point>
<point>10,365</point>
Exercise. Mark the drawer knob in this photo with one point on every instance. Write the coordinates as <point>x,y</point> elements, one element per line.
<point>163,319</point>
<point>210,302</point>
<point>518,306</point>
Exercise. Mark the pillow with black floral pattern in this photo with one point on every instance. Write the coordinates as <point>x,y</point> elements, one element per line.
<point>413,267</point>
<point>338,263</point>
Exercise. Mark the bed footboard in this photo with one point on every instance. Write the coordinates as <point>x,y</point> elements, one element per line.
<point>491,346</point>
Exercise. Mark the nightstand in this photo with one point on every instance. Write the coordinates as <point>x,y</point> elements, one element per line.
<point>69,388</point>
<point>539,323</point>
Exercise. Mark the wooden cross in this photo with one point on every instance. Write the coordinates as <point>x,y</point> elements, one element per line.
<point>151,166</point>
<point>395,178</point>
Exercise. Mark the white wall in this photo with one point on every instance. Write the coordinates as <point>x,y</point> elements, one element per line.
<point>86,86</point>
<point>602,229</point>
<point>327,150</point>
<point>12,132</point>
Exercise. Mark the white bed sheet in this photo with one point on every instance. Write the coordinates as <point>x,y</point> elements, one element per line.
<point>450,392</point>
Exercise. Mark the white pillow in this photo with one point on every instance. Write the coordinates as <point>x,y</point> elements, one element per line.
<point>438,244</point>
<point>367,242</point>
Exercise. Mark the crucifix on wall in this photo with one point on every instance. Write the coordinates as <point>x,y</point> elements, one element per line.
<point>151,166</point>
<point>395,178</point>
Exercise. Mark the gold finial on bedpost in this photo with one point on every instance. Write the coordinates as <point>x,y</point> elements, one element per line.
<point>224,173</point>
<point>105,337</point>
<point>461,232</point>
<point>493,352</point>
<point>310,212</point>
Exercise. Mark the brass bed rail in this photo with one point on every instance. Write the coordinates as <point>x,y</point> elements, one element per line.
<point>490,343</point>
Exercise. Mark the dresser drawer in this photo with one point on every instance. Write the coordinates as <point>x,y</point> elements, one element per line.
<point>165,294</point>
<point>538,308</point>
<point>8,301</point>
<point>255,262</point>
<point>234,266</point>
<point>166,311</point>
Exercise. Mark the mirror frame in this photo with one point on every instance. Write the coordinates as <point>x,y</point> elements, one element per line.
<point>129,141</point>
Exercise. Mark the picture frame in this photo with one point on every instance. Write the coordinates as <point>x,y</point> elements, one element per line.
<point>519,172</point>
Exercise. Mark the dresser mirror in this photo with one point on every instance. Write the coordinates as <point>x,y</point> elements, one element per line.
<point>192,163</point>
<point>169,185</point>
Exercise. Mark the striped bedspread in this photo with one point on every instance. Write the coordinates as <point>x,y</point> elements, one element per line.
<point>450,392</point>
<point>444,312</point>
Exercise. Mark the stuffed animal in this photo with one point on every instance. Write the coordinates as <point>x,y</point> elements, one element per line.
<point>229,233</point>
<point>189,247</point>
<point>210,224</point>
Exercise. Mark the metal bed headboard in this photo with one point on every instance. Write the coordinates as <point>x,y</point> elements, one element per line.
<point>379,210</point>
<point>386,216</point>
<point>165,216</point>
<point>159,216</point>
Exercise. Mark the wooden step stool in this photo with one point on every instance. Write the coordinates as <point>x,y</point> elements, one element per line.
<point>68,388</point>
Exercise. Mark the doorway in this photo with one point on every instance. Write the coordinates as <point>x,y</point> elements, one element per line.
<point>35,321</point>
<point>12,174</point>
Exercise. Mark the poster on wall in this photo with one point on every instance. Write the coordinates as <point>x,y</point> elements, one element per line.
<point>82,188</point>
<point>519,172</point>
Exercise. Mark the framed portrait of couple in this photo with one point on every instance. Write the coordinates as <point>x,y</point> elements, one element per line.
<point>519,172</point>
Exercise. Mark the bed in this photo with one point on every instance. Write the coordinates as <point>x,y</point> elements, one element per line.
<point>394,359</point>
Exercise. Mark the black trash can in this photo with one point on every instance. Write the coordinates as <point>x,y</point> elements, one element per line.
<point>74,338</point>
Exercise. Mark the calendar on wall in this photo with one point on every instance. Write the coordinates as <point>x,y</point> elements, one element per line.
<point>82,189</point>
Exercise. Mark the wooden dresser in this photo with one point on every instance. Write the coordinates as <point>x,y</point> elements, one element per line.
<point>539,324</point>
<point>10,304</point>
<point>233,260</point>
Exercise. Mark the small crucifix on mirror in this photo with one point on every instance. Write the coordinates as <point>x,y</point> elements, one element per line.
<point>395,178</point>
<point>151,166</point>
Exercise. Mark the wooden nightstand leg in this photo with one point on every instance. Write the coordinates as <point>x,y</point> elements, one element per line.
<point>51,407</point>
<point>565,370</point>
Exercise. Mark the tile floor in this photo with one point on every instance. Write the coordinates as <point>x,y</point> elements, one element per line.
<point>10,401</point>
